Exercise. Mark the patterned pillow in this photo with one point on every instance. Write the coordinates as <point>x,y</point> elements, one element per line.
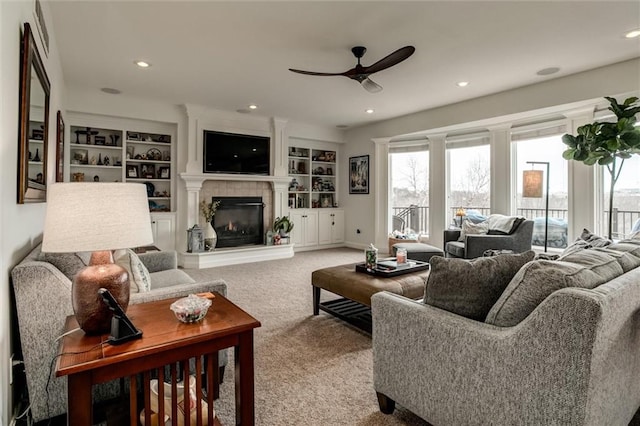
<point>139,279</point>
<point>471,287</point>
<point>469,227</point>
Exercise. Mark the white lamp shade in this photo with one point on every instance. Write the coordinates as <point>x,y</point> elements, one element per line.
<point>96,216</point>
<point>532,183</point>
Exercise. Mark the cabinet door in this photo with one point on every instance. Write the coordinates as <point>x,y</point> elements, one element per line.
<point>298,231</point>
<point>163,228</point>
<point>311,228</point>
<point>325,227</point>
<point>337,235</point>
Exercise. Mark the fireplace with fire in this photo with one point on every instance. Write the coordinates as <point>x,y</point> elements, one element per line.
<point>239,221</point>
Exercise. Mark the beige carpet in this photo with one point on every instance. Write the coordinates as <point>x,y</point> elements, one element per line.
<point>308,370</point>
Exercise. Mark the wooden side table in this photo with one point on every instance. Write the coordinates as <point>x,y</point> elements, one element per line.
<point>89,360</point>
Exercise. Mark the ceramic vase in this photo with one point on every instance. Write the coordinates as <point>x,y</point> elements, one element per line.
<point>210,237</point>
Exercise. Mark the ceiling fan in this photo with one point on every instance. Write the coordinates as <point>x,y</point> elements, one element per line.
<point>361,73</point>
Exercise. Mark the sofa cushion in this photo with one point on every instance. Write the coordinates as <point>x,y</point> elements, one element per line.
<point>67,263</point>
<point>538,279</point>
<point>627,260</point>
<point>471,287</point>
<point>139,279</point>
<point>586,240</point>
<point>169,277</point>
<point>455,248</point>
<point>469,227</point>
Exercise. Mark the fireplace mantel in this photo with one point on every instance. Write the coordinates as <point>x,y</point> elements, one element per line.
<point>194,181</point>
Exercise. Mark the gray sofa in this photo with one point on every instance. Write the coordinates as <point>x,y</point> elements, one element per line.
<point>43,301</point>
<point>573,360</point>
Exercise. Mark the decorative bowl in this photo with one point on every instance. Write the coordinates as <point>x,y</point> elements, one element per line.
<point>191,308</point>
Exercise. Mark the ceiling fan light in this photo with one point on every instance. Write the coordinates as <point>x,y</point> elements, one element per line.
<point>370,86</point>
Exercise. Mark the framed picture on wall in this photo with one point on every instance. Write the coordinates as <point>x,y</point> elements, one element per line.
<point>359,174</point>
<point>59,148</point>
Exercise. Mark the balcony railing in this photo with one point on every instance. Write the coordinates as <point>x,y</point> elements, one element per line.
<point>417,217</point>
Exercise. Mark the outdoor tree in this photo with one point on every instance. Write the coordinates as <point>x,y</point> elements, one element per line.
<point>608,144</point>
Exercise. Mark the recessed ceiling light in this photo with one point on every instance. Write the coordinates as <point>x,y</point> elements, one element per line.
<point>235,155</point>
<point>548,71</point>
<point>632,34</point>
<point>462,83</point>
<point>142,64</point>
<point>110,91</point>
<point>368,111</point>
<point>253,106</point>
<point>254,149</point>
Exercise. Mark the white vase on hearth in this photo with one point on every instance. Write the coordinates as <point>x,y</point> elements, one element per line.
<point>210,237</point>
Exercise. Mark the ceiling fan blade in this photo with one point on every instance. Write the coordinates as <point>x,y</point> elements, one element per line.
<point>391,59</point>
<point>371,86</point>
<point>328,74</point>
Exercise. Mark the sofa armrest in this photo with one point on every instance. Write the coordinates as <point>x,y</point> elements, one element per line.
<point>180,290</point>
<point>451,235</point>
<point>159,260</point>
<point>452,370</point>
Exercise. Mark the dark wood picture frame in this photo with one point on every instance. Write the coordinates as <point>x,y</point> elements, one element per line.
<point>164,173</point>
<point>132,171</point>
<point>359,174</point>
<point>59,147</point>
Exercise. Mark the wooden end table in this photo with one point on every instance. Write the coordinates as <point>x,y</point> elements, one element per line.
<point>89,360</point>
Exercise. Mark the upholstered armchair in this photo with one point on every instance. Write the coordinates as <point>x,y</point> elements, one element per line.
<point>474,245</point>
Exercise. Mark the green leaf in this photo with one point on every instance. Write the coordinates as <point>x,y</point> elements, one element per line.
<point>569,140</point>
<point>605,160</point>
<point>612,145</point>
<point>569,154</point>
<point>590,161</point>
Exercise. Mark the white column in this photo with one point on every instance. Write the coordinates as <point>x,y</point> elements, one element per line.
<point>583,188</point>
<point>501,180</point>
<point>280,146</point>
<point>280,193</point>
<point>380,190</point>
<point>194,142</point>
<point>437,189</point>
<point>193,187</point>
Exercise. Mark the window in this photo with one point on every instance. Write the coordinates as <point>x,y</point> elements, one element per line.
<point>469,176</point>
<point>626,200</point>
<point>409,186</point>
<point>537,147</point>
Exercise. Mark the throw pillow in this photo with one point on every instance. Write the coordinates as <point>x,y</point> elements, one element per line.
<point>471,287</point>
<point>503,225</point>
<point>593,239</point>
<point>139,279</point>
<point>538,279</point>
<point>469,227</point>
<point>68,263</point>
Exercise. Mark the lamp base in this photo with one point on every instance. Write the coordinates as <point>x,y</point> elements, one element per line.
<point>92,314</point>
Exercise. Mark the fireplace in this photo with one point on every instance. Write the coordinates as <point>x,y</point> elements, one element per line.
<point>239,221</point>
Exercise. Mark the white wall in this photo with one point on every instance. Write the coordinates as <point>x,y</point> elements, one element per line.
<point>545,99</point>
<point>20,225</point>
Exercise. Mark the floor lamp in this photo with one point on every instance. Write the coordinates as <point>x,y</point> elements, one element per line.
<point>532,188</point>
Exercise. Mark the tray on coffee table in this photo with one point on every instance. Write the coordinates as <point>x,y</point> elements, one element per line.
<point>389,268</point>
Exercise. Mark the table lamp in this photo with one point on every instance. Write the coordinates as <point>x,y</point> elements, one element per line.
<point>97,217</point>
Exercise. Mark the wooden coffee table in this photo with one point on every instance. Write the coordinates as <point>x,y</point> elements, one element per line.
<point>88,360</point>
<point>356,289</point>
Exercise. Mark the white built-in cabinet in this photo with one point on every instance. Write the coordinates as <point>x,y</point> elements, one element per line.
<point>163,228</point>
<point>305,227</point>
<point>331,226</point>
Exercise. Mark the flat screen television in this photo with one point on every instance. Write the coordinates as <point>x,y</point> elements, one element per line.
<point>235,153</point>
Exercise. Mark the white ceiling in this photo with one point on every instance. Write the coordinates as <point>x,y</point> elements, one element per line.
<point>226,55</point>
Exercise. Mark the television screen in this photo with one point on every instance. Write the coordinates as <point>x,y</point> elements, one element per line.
<point>234,153</point>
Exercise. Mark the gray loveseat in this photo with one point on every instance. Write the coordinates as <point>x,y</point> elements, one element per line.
<point>43,301</point>
<point>571,358</point>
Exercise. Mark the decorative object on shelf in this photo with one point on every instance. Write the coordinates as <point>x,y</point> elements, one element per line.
<point>96,178</point>
<point>208,210</point>
<point>164,139</point>
<point>100,140</point>
<point>133,136</point>
<point>106,160</point>
<point>59,148</point>
<point>359,174</point>
<point>150,189</point>
<point>82,217</point>
<point>148,171</point>
<point>132,171</point>
<point>532,188</point>
<point>166,156</point>
<point>37,134</point>
<point>130,152</point>
<point>154,154</point>
<point>114,139</point>
<point>77,177</point>
<point>37,156</point>
<point>93,161</point>
<point>329,171</point>
<point>164,173</point>
<point>80,156</point>
<point>100,163</point>
<point>293,185</point>
<point>269,238</point>
<point>326,200</point>
<point>330,156</point>
<point>302,167</point>
<point>283,225</point>
<point>607,143</point>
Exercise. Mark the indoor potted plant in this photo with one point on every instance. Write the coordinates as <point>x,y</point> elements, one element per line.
<point>607,143</point>
<point>283,226</point>
<point>208,210</point>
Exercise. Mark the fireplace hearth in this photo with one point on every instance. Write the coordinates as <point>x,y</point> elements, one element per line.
<point>239,221</point>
